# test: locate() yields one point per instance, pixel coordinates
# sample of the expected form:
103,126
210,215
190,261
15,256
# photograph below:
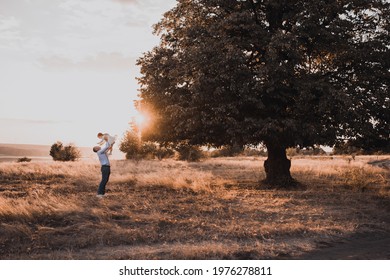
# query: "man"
105,169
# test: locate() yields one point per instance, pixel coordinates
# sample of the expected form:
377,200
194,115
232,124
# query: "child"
107,138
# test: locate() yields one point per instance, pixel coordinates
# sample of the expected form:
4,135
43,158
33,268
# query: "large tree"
283,73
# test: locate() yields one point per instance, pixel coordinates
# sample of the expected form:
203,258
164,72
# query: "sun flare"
141,119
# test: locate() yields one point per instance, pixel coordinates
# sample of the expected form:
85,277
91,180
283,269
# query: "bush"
131,145
135,148
227,151
189,152
59,152
153,150
164,152
24,159
292,152
254,151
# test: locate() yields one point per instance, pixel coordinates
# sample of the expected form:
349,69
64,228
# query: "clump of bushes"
59,152
135,148
227,151
188,152
24,159
238,150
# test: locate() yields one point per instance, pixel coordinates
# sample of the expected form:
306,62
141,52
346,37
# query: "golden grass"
216,209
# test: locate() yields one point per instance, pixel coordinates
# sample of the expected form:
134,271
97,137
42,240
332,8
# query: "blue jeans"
105,176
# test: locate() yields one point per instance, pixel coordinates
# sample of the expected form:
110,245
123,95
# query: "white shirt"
103,158
110,139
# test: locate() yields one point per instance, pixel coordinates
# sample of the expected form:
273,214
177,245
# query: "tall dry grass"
216,209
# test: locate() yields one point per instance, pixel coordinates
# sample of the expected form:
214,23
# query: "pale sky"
68,69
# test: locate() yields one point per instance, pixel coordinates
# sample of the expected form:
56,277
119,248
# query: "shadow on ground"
367,246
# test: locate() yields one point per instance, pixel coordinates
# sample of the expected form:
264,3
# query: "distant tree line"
135,148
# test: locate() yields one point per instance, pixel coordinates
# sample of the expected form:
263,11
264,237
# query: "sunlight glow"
142,119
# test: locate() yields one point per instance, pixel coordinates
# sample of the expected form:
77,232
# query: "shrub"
257,151
164,152
189,152
227,151
135,148
59,152
153,150
131,145
291,152
24,159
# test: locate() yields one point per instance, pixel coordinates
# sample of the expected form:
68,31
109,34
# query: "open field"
215,209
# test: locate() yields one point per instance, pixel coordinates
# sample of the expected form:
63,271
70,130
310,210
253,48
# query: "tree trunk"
277,166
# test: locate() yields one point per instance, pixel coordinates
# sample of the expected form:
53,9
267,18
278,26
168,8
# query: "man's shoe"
100,195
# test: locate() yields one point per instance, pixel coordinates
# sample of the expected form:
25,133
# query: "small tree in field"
278,72
59,152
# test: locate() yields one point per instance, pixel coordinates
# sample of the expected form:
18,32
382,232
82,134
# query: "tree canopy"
284,73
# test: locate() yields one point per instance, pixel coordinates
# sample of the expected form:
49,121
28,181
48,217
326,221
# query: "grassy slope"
214,209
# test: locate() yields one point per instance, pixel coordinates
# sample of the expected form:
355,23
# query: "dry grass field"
215,209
